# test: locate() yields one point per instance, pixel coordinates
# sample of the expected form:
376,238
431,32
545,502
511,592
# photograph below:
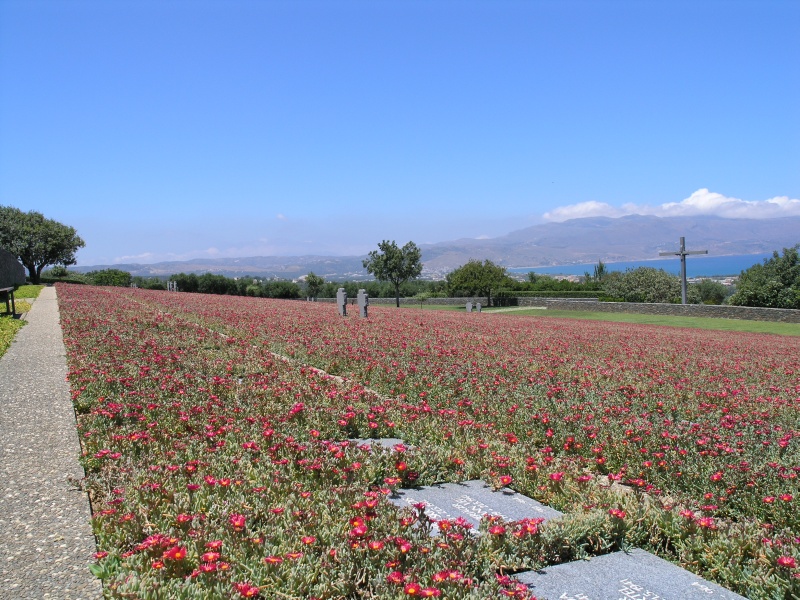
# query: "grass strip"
8,329
669,321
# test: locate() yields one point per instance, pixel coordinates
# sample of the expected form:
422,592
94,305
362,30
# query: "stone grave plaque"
389,443
620,576
478,307
472,500
469,307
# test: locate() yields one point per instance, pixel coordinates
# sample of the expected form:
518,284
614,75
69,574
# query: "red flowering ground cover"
217,469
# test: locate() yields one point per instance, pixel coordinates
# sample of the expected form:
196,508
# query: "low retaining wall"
746,313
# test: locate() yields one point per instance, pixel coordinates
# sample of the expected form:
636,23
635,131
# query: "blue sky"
188,129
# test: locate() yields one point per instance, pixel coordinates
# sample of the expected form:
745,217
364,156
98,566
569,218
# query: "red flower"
237,521
175,553
412,589
395,577
248,590
787,562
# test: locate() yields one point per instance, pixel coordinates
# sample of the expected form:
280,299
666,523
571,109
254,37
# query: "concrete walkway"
46,540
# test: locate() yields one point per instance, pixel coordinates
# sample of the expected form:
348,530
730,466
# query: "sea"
696,266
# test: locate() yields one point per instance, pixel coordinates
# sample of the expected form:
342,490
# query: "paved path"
46,540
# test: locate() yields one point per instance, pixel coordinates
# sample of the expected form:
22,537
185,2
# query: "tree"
314,285
707,291
113,277
773,284
644,284
477,278
395,265
36,241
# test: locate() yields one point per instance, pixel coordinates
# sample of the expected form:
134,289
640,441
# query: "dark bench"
7,294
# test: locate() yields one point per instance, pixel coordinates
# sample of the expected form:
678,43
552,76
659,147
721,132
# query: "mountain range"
576,241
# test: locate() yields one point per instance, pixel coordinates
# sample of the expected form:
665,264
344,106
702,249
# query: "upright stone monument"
341,302
469,307
478,307
363,303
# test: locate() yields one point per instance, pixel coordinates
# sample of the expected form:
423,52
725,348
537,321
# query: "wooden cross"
683,254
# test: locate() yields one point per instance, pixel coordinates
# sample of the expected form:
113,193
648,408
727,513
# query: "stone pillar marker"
341,302
469,307
683,254
478,307
363,303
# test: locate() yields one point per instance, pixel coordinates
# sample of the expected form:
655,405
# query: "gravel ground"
47,540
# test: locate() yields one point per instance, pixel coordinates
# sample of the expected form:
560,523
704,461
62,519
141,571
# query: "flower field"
218,462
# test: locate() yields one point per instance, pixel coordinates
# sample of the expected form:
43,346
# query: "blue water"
696,266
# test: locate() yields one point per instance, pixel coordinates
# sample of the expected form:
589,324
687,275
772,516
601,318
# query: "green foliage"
477,278
774,284
113,277
643,284
149,283
8,329
27,291
58,272
395,265
36,241
706,291
547,294
314,284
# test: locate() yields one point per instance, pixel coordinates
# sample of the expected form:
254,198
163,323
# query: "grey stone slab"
389,443
472,500
638,575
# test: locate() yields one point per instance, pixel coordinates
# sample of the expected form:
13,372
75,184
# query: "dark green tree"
314,284
395,265
773,284
644,284
36,241
707,291
113,277
477,278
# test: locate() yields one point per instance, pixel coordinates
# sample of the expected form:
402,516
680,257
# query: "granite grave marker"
341,302
638,575
472,500
363,303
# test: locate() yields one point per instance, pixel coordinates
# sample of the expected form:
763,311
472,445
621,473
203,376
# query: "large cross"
683,254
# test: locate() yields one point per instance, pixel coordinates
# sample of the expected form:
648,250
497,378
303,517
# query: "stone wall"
746,313
11,270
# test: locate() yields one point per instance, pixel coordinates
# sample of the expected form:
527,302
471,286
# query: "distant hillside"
634,237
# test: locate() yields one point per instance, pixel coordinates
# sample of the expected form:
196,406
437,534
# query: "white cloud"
135,258
281,217
701,202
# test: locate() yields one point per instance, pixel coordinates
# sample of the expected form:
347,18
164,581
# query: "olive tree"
314,285
477,278
644,284
395,265
36,241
